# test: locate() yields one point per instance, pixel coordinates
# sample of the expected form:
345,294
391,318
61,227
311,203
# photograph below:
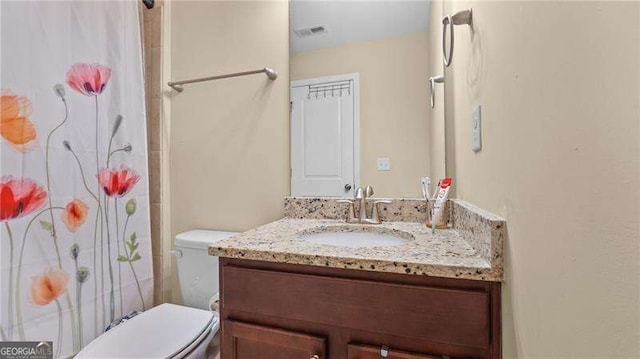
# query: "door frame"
355,77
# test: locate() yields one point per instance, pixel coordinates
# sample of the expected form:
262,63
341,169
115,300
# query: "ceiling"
354,21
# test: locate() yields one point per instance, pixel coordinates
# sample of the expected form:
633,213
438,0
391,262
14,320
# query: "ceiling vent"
309,31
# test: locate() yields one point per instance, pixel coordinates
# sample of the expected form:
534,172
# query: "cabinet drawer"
359,351
450,316
249,341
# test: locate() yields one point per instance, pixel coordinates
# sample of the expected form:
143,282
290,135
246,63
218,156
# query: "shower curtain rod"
177,85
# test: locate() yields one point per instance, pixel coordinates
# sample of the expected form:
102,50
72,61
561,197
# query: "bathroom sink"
355,236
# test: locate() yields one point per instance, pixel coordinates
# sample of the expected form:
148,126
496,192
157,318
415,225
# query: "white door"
324,136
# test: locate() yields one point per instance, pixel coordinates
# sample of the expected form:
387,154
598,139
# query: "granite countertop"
443,254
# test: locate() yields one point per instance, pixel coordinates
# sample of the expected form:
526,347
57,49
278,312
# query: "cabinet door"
358,351
249,341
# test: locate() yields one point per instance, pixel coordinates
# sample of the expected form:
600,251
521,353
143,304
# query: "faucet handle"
368,191
351,214
375,216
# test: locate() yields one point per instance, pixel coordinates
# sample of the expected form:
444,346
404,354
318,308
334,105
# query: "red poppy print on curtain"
19,197
117,183
88,79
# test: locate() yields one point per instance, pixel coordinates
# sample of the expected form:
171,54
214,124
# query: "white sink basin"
355,236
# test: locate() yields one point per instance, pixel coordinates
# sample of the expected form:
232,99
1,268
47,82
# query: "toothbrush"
424,184
435,193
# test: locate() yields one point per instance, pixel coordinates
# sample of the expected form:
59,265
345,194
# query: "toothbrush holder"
442,219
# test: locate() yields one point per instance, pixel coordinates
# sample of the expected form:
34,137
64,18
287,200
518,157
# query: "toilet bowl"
170,330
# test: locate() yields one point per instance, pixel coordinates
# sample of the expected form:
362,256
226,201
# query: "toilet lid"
160,332
201,238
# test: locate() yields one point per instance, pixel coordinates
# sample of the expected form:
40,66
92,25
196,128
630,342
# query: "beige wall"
229,139
394,116
559,88
436,114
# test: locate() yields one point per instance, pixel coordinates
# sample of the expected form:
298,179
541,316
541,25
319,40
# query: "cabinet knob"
315,357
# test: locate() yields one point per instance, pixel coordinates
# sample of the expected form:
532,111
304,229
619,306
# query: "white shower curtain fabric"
75,249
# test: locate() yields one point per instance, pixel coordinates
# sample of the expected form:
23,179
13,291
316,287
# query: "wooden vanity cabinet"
273,311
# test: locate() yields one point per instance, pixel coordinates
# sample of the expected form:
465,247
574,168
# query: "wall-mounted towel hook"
464,17
432,81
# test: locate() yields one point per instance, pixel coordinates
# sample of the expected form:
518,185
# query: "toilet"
170,330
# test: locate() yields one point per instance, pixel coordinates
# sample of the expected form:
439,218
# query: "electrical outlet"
476,129
384,164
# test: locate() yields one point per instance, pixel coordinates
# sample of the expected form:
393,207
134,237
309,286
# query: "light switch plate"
476,129
384,164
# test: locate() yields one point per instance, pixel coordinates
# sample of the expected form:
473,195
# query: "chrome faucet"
361,195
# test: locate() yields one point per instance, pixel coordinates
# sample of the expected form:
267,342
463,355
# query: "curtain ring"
447,59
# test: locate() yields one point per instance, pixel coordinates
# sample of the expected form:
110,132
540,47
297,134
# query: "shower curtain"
75,251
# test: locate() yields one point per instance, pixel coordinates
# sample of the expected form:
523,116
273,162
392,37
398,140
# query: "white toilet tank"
197,270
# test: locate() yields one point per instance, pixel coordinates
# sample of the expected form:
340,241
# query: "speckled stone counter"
472,249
